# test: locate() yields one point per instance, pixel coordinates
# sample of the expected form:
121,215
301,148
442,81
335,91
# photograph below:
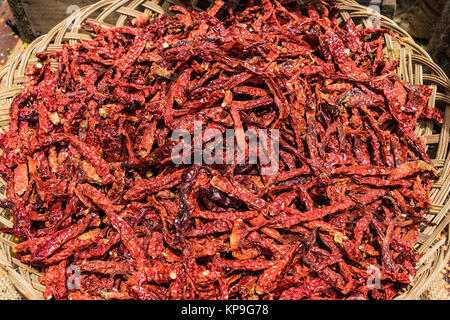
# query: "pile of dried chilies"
92,187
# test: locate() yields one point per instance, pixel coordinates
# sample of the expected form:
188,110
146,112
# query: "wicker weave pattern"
7,290
415,66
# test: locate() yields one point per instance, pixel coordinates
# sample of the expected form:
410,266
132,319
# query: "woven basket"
416,67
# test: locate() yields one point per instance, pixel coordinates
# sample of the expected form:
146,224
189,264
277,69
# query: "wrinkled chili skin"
222,199
93,185
186,207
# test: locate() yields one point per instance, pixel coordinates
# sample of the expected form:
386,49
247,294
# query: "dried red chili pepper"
92,184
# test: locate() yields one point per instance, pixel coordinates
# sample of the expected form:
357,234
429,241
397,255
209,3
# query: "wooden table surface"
8,40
